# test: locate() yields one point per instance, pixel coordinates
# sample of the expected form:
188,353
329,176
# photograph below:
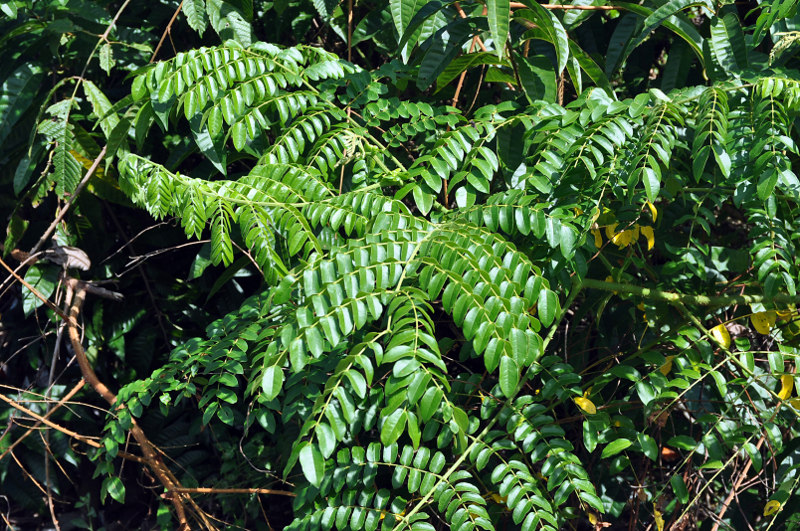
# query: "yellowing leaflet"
586,405
664,369
650,235
787,384
763,321
772,507
653,211
721,335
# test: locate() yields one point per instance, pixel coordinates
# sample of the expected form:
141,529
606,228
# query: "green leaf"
591,68
548,306
106,57
229,21
538,78
403,12
16,95
615,447
272,381
195,11
465,62
499,12
657,17
766,183
393,427
652,183
679,488
509,376
113,485
547,28
43,278
312,463
727,42
649,446
665,16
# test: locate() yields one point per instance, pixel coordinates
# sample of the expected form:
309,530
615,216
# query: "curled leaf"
586,405
785,315
664,369
659,518
772,507
763,321
721,335
653,212
598,239
623,239
787,384
648,233
795,403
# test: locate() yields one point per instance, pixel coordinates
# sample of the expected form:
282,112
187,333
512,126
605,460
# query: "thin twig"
52,410
212,490
166,31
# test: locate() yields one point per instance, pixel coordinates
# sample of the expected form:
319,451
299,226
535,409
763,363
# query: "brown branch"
211,490
43,420
60,403
151,457
35,291
736,486
168,30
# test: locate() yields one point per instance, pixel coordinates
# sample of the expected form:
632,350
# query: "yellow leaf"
785,315
772,507
653,212
500,500
763,321
721,335
598,239
664,369
787,384
592,518
623,238
586,405
794,402
650,235
658,518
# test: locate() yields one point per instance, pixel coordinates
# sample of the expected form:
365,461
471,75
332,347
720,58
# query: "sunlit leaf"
721,335
763,321
585,404
787,385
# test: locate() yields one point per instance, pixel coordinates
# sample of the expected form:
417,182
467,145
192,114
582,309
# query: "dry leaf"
664,369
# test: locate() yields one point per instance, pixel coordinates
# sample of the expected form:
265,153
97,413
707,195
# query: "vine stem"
676,297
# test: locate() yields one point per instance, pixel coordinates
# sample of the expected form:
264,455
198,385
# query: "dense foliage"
416,265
